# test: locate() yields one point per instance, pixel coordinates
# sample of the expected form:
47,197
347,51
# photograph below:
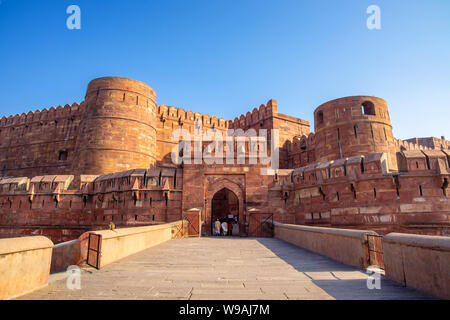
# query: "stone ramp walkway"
224,269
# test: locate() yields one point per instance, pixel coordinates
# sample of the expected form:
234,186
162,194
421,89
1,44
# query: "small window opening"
368,108
397,186
352,187
444,187
320,117
322,194
175,180
63,154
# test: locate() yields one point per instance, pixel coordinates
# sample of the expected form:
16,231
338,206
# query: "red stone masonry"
70,169
118,128
40,142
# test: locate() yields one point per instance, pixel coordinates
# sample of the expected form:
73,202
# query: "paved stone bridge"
224,268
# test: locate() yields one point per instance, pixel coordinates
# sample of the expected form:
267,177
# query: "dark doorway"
225,206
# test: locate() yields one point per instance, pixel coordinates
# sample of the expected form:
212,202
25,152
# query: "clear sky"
225,57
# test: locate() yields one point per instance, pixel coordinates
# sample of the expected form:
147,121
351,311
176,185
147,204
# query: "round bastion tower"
353,126
118,130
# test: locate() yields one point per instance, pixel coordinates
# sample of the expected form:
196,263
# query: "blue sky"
226,57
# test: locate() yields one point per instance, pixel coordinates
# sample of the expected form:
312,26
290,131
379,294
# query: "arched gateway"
224,199
224,206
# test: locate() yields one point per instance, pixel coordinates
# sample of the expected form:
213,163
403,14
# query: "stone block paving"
224,269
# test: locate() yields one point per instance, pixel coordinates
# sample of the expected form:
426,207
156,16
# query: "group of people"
226,227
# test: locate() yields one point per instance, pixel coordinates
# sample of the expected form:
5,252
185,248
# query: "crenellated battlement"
257,116
69,169
45,114
430,162
166,112
408,145
136,179
360,192
67,209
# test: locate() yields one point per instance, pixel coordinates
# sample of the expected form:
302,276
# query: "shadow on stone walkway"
223,269
340,281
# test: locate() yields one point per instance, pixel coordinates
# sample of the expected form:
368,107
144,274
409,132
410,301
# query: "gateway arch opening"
225,209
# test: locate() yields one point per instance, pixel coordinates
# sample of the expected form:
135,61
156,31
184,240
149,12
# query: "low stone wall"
419,262
64,255
24,265
120,243
346,246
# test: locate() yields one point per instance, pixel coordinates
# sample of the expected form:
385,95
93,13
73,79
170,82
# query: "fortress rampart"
359,192
55,207
40,142
352,126
70,169
118,130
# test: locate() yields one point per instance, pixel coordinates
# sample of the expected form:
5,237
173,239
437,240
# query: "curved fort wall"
353,126
118,130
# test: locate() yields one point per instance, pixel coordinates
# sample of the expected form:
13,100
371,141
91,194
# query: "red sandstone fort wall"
40,142
170,119
78,167
53,206
267,117
118,130
353,126
358,192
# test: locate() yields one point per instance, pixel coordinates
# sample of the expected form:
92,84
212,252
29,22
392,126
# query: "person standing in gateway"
236,228
225,227
217,227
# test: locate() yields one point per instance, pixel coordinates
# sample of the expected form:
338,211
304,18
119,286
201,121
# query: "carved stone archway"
216,185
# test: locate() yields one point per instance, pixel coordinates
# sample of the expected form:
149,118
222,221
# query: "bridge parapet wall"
24,265
346,246
420,262
120,243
